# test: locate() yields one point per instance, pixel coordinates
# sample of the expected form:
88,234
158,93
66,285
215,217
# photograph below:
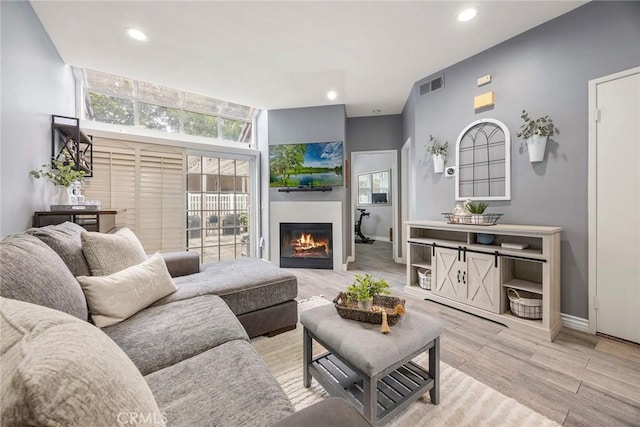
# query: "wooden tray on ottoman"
350,310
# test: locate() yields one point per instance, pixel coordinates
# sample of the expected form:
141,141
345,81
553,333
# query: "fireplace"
306,245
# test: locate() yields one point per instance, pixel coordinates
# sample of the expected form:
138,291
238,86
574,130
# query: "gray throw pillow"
65,240
58,370
109,253
31,271
120,295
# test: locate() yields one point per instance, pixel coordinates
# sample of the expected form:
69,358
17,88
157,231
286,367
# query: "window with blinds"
147,182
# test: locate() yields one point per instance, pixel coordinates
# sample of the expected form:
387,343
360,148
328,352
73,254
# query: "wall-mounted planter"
438,163
536,145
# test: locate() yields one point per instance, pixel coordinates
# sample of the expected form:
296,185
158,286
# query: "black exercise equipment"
361,238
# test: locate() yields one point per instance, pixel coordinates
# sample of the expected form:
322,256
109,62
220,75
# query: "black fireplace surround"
306,245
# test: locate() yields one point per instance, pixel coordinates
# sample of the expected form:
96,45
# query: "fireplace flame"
306,244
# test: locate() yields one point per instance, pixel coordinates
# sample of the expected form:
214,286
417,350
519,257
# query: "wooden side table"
103,220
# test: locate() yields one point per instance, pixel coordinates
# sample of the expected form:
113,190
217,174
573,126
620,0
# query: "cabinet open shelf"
475,277
524,285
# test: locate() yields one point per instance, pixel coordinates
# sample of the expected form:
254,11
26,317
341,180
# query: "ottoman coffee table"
373,371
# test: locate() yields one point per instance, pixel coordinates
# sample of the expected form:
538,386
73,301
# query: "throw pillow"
109,253
31,271
120,295
65,240
58,370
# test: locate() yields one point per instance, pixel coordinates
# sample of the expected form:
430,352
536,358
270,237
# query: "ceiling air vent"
432,85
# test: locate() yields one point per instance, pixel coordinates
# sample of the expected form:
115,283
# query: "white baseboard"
382,239
573,322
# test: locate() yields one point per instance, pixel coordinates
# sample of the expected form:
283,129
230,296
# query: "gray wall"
35,84
378,133
380,219
546,71
313,124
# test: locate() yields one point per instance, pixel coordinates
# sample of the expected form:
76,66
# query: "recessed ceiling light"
376,111
137,34
467,14
332,94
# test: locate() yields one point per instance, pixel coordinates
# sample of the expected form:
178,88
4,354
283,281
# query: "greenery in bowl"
476,208
59,172
542,126
366,287
436,147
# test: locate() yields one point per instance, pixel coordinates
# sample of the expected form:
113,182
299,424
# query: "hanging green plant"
542,126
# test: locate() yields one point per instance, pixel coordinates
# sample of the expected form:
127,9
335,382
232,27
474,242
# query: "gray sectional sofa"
184,360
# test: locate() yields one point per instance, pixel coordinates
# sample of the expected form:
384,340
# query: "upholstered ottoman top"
363,344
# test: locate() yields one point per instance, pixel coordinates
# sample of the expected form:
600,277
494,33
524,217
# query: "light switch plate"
450,171
484,80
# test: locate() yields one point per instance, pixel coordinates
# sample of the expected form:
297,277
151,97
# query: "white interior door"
616,165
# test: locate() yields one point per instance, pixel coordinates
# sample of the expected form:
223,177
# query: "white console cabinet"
476,277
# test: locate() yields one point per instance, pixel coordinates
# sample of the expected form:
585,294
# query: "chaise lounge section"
185,360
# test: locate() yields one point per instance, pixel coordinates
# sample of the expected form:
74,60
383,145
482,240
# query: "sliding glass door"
219,207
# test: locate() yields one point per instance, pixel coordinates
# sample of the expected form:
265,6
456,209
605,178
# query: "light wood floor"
577,380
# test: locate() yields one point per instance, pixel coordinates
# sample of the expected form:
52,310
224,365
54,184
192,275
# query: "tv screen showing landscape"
315,164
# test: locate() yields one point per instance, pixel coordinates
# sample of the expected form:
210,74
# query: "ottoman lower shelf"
393,391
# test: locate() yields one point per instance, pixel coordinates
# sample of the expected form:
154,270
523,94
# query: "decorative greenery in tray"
366,287
476,208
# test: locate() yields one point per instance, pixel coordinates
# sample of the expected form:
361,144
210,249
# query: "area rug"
464,401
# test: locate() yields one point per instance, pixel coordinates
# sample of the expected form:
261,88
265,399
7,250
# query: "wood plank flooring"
577,380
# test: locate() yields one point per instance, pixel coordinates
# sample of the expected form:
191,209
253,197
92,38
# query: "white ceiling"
275,55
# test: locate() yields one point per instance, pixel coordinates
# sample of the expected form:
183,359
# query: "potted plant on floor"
438,151
365,288
536,133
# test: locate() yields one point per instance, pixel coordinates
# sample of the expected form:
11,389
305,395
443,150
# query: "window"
147,183
373,188
122,101
218,206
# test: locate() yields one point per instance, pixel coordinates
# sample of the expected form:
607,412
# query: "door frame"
406,188
592,196
394,200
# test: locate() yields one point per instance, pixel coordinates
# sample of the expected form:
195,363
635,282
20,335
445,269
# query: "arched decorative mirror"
483,161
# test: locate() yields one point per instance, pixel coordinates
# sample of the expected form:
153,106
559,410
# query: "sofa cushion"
120,295
58,370
31,271
109,253
64,239
163,335
241,392
245,284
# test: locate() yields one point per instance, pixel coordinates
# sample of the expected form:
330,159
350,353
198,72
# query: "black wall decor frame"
69,142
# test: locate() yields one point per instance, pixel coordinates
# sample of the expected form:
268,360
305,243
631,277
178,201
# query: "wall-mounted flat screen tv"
314,164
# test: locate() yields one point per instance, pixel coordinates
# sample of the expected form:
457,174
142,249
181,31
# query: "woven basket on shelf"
527,308
349,310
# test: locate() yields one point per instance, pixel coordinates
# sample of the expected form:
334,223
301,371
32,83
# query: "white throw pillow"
109,253
120,295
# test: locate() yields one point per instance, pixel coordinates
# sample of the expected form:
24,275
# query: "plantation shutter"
113,182
149,182
162,195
